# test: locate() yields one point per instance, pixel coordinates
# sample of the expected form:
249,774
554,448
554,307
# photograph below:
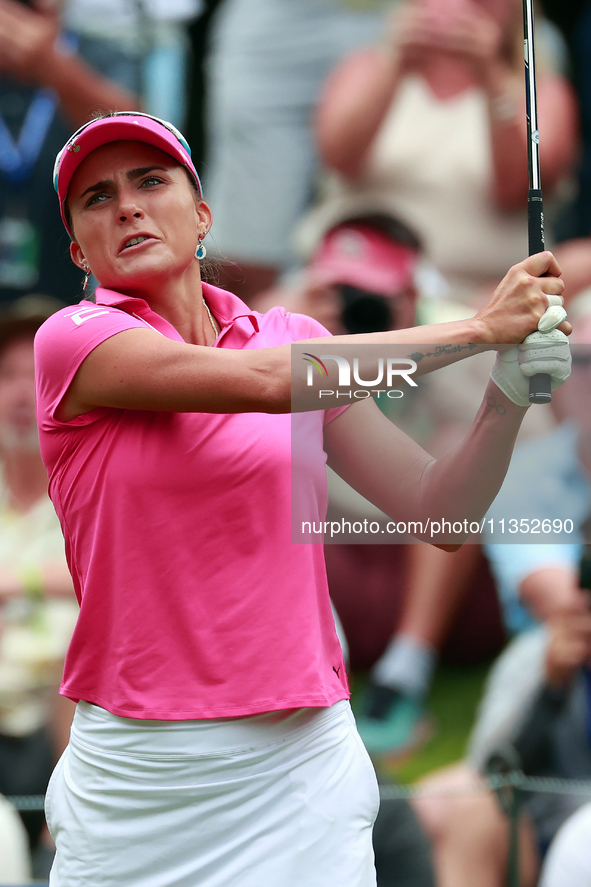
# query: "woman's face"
128,190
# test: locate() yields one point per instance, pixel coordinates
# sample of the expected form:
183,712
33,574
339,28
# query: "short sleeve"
301,326
62,343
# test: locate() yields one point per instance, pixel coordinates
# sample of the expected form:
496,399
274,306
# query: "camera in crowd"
370,261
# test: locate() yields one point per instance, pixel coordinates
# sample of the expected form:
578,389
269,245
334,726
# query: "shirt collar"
228,308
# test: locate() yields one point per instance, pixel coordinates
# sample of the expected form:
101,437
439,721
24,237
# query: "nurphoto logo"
388,372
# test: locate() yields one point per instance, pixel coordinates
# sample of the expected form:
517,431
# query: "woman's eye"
152,180
96,198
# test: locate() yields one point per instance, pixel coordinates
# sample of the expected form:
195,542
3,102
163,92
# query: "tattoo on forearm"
492,404
442,349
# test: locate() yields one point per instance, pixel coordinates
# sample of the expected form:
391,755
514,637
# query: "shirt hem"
198,714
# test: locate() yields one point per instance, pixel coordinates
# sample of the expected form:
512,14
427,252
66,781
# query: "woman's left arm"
396,474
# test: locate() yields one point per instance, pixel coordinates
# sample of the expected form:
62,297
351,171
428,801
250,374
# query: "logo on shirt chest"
82,314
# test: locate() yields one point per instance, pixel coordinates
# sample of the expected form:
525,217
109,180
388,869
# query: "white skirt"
282,799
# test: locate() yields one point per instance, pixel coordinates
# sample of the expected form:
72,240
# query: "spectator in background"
267,63
38,608
46,91
429,124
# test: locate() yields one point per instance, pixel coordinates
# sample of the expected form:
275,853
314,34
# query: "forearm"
438,344
508,136
82,91
353,107
461,485
398,476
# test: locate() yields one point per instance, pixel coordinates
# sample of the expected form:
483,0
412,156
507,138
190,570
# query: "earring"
200,252
86,270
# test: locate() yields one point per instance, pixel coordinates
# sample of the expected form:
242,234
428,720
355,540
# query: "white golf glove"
546,351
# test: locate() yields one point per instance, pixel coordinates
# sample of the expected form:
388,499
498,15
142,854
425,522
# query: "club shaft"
539,385
531,102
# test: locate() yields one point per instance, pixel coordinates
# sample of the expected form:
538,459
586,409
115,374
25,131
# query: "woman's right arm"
141,369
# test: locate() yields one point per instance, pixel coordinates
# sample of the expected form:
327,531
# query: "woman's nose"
129,212
129,208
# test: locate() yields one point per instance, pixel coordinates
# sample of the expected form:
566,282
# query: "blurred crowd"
366,164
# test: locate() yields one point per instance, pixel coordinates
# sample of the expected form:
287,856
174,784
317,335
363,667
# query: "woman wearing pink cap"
213,742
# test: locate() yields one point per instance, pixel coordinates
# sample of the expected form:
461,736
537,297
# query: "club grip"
539,385
535,222
539,388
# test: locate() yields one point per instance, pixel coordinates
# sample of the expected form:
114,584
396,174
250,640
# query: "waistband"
96,727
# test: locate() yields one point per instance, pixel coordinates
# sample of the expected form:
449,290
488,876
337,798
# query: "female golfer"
213,742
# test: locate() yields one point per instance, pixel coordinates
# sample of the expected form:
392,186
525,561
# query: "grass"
455,694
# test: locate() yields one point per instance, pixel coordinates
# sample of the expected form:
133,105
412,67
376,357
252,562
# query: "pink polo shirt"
193,601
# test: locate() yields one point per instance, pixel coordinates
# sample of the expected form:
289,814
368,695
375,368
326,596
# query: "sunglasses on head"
72,140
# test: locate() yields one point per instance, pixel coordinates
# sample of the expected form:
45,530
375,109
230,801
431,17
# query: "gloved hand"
546,351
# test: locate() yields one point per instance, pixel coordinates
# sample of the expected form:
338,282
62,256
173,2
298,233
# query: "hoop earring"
200,252
86,278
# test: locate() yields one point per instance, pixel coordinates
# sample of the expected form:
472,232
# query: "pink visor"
125,125
359,256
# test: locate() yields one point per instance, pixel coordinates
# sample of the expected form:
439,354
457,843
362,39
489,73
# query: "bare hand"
461,28
27,39
570,646
520,300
